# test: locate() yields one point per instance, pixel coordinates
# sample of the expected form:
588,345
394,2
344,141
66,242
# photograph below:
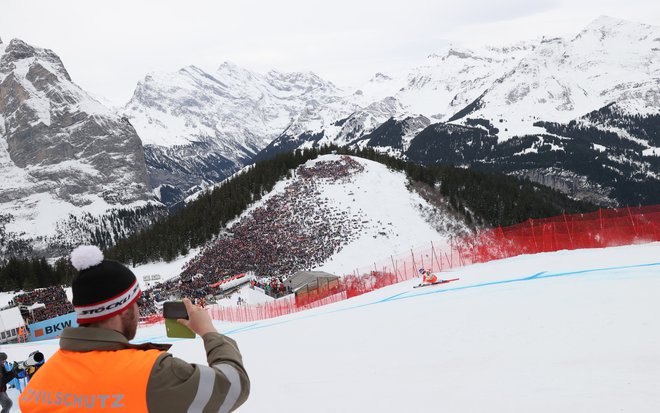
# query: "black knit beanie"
102,288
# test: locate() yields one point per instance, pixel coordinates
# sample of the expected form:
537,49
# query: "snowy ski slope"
571,331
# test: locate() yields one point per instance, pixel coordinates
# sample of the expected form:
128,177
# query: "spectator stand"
274,287
227,285
43,304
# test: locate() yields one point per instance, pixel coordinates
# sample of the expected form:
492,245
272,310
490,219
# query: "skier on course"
427,276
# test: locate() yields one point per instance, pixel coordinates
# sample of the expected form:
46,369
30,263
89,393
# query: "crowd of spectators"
294,230
147,302
194,287
53,298
273,286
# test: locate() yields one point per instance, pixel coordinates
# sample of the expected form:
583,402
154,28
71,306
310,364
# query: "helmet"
422,270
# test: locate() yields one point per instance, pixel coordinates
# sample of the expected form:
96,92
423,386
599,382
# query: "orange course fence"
603,228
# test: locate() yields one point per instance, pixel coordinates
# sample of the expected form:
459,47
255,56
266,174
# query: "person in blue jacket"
9,372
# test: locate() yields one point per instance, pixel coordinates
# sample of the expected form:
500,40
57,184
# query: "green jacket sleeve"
178,386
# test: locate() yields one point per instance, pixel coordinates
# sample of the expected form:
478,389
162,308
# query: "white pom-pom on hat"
86,256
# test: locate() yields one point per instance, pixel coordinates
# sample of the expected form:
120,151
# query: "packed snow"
567,331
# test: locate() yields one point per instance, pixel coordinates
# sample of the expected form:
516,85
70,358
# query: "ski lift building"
310,286
11,321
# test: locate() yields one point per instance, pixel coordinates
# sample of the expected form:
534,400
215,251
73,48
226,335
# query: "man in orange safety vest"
96,369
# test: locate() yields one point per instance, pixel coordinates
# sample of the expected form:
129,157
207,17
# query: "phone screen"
174,329
174,310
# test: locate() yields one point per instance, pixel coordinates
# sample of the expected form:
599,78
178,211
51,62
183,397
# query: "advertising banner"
51,328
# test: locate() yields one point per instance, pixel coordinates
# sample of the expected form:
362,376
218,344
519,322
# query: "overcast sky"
108,46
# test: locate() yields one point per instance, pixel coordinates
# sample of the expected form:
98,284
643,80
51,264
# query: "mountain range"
495,108
579,114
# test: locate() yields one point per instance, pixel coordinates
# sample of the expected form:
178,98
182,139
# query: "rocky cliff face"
61,151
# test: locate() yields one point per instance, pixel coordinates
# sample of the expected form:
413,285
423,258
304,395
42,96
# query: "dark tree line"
602,155
645,127
620,166
28,274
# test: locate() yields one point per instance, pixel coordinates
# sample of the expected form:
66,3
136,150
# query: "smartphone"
173,310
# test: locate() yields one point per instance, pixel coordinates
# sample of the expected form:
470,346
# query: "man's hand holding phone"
198,320
183,319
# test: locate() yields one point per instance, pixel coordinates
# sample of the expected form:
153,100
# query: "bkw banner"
51,328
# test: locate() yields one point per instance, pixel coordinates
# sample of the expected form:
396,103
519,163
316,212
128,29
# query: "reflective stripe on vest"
95,381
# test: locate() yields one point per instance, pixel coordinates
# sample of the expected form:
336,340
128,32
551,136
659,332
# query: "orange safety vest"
94,381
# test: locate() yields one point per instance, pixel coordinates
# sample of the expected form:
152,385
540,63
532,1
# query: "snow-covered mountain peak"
300,82
228,66
192,70
231,72
462,54
380,77
241,108
524,46
61,151
214,123
388,106
488,53
613,26
18,55
611,60
448,51
612,36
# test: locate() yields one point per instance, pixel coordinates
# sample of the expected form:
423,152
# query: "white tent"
10,320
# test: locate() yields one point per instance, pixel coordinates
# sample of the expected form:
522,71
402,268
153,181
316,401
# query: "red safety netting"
603,228
152,319
283,306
